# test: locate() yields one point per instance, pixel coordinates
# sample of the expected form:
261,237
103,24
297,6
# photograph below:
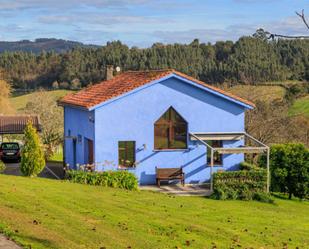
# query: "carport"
16,124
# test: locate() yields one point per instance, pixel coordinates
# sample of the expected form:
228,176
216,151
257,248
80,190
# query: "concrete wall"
133,117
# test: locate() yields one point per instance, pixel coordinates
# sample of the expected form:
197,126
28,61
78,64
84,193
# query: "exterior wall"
132,118
77,124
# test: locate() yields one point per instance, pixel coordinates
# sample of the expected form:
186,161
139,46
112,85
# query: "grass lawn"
20,102
254,93
53,214
58,156
300,106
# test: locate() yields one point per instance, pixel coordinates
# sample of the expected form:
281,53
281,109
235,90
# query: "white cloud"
288,26
67,4
95,18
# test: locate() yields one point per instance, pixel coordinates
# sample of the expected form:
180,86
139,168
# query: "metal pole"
211,169
268,175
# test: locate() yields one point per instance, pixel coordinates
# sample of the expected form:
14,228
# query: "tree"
75,84
5,104
273,35
51,117
289,165
32,156
55,85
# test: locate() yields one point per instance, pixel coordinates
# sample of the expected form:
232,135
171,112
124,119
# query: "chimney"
109,72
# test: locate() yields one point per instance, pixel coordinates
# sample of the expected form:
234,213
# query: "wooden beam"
268,175
222,136
240,150
211,169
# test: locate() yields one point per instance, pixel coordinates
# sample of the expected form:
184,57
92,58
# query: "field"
254,93
45,213
20,102
301,106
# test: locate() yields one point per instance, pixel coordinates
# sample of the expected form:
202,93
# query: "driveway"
53,170
7,244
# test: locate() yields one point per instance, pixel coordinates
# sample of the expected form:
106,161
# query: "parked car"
10,152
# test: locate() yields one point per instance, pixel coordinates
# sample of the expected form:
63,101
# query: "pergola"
203,137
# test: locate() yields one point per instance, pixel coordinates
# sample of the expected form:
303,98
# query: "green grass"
58,156
262,93
54,214
300,106
20,102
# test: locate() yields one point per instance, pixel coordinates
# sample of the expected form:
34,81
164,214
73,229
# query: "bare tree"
51,117
269,35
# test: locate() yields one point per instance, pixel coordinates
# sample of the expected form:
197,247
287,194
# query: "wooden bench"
169,174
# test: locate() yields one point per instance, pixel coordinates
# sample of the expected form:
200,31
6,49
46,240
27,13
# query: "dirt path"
7,244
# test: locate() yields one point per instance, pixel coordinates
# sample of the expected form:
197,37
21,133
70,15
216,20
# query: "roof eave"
64,104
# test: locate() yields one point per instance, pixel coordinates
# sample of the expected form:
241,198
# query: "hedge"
243,185
115,179
289,167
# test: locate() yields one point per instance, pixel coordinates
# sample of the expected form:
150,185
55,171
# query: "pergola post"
268,176
211,169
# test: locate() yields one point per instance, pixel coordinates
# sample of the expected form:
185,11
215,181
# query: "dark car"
10,152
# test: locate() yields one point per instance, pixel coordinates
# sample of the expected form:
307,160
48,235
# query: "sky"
144,22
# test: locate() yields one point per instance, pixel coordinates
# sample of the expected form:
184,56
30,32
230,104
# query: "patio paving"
179,190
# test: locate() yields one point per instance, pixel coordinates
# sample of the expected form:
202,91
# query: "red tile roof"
126,82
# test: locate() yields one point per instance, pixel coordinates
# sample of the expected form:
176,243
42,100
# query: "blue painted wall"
132,118
77,123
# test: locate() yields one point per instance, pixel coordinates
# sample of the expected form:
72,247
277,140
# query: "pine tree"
32,157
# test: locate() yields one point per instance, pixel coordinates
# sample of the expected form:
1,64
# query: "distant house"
140,120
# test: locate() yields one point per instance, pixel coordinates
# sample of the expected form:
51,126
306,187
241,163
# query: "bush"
115,179
263,197
289,166
2,166
248,166
32,155
241,185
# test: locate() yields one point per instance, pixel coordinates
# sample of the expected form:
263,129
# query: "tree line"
249,60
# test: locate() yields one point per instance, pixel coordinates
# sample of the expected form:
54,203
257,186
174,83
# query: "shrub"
242,185
289,166
263,197
248,166
115,179
2,166
32,156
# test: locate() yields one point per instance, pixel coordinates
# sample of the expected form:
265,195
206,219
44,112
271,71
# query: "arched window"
170,131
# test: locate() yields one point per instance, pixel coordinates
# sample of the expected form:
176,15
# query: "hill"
41,213
256,92
20,102
41,44
300,106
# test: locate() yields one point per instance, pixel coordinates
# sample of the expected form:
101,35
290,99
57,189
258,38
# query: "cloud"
205,35
99,19
288,26
67,4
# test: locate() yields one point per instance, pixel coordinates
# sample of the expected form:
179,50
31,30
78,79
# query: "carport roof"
16,124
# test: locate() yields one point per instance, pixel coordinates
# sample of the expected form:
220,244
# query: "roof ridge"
128,80
149,71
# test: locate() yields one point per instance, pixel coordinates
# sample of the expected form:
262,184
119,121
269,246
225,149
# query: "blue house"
140,120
